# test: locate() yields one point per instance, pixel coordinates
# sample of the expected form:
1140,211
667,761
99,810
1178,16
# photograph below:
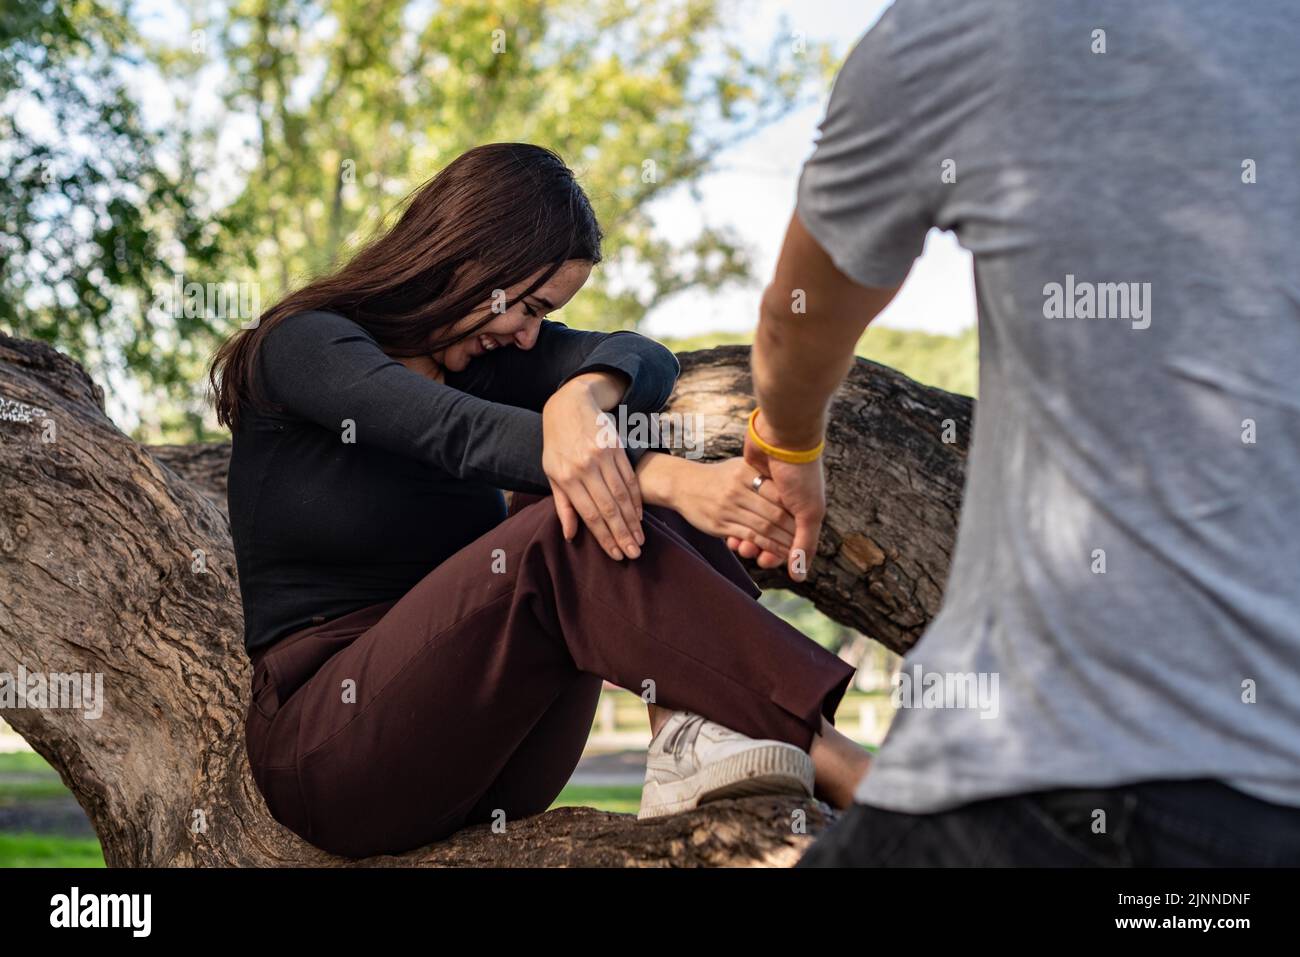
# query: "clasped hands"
594,484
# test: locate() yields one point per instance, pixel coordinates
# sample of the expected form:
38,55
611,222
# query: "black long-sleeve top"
371,474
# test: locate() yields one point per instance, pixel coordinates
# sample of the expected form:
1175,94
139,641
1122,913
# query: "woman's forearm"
659,475
718,498
606,389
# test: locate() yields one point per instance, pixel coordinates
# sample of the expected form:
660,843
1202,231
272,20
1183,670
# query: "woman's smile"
518,325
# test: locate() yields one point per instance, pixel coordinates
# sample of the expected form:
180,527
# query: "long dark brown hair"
490,219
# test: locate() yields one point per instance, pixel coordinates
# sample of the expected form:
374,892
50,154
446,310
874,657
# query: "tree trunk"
116,560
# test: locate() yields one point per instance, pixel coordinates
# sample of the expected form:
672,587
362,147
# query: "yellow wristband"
780,454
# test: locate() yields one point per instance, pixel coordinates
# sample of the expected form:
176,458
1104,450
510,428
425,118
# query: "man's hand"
810,318
802,491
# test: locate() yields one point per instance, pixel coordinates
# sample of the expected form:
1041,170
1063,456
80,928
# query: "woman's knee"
713,550
659,521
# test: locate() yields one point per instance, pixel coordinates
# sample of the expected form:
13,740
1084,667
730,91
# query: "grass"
625,800
49,850
13,762
26,777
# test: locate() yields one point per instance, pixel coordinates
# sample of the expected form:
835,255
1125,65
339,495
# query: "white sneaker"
693,760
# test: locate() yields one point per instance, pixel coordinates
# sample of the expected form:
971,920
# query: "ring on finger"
757,482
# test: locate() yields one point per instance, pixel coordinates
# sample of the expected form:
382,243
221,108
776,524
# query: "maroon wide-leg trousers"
474,693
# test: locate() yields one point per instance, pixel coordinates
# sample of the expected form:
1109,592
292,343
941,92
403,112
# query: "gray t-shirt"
1124,598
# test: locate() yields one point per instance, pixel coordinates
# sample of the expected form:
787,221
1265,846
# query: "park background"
251,143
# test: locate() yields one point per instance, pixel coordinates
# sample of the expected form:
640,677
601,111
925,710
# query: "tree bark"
116,560
894,488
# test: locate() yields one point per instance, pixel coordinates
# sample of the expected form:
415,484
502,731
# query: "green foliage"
358,102
332,112
639,98
945,362
349,105
89,216
802,615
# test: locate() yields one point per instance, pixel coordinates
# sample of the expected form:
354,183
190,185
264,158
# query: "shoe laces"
684,734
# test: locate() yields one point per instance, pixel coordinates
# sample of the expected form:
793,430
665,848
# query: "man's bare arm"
800,358
811,318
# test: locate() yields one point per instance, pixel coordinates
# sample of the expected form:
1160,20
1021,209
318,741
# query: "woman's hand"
719,498
590,475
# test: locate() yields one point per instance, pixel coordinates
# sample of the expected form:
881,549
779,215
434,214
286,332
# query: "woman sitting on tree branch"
424,659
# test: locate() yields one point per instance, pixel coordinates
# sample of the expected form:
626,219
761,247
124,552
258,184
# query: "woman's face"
517,326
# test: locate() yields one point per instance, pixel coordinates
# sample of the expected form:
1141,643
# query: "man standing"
1127,178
